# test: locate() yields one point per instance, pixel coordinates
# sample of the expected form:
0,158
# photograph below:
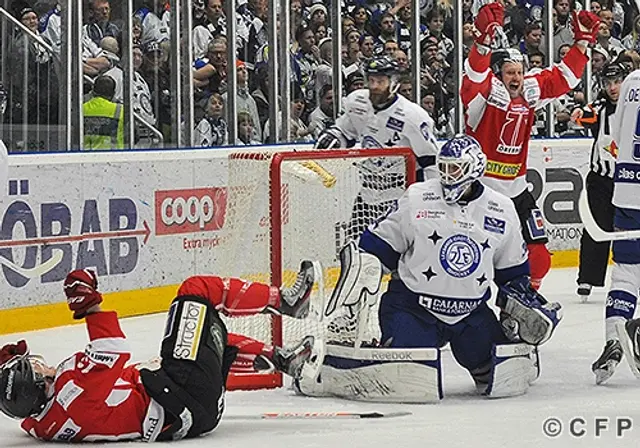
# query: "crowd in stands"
369,27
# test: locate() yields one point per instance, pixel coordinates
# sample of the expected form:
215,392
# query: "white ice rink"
565,390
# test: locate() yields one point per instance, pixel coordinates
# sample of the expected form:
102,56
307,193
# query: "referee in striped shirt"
597,118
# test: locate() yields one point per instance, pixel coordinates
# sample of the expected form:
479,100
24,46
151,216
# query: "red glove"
489,18
80,287
10,351
585,26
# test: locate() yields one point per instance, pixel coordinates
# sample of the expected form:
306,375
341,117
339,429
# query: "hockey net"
285,207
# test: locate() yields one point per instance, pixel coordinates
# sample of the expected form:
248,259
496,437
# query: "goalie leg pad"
512,371
360,274
376,375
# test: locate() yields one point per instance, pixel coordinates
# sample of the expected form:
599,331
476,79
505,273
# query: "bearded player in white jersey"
622,331
378,117
445,242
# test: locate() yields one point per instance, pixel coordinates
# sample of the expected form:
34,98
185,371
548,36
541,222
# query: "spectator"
100,24
361,17
154,29
405,87
388,31
532,38
212,129
631,40
246,130
324,72
319,32
562,31
536,60
244,101
435,25
355,81
317,15
390,48
366,46
305,62
211,72
404,23
95,61
261,94
322,116
299,131
33,83
612,45
103,119
562,51
402,60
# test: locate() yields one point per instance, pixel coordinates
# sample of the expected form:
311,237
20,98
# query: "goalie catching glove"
526,313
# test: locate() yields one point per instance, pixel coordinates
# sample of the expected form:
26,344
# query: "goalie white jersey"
450,254
625,131
401,124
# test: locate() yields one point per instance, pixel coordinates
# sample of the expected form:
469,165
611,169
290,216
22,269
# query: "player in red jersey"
96,396
500,103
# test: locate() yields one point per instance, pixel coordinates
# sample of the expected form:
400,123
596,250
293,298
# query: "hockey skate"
295,301
629,334
286,360
584,291
605,365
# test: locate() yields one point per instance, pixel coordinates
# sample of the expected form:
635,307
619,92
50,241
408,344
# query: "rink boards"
112,212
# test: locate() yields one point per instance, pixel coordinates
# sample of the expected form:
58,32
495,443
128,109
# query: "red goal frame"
252,381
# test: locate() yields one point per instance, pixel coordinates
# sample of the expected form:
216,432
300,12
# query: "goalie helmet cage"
285,207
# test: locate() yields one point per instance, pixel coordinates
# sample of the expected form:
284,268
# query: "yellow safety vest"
103,124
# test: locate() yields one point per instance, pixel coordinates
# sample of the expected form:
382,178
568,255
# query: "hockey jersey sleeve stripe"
568,74
503,276
477,66
574,62
426,161
375,245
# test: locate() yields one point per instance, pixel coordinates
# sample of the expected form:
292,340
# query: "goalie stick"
316,415
595,231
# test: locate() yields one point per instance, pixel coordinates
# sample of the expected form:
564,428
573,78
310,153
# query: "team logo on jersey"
426,133
535,223
370,142
460,256
495,225
395,124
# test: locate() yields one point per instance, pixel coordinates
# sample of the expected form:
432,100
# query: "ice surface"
565,390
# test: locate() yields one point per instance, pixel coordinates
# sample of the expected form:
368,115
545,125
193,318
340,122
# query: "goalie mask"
23,386
375,70
460,163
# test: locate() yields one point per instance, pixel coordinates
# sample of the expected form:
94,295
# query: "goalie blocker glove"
526,310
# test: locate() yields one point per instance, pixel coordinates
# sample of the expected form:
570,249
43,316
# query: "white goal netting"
307,208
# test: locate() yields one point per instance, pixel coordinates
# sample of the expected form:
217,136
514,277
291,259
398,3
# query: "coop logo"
190,211
46,240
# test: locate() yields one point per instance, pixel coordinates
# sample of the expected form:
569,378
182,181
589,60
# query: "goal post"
287,206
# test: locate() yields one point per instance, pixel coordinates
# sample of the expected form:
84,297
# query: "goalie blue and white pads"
526,312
